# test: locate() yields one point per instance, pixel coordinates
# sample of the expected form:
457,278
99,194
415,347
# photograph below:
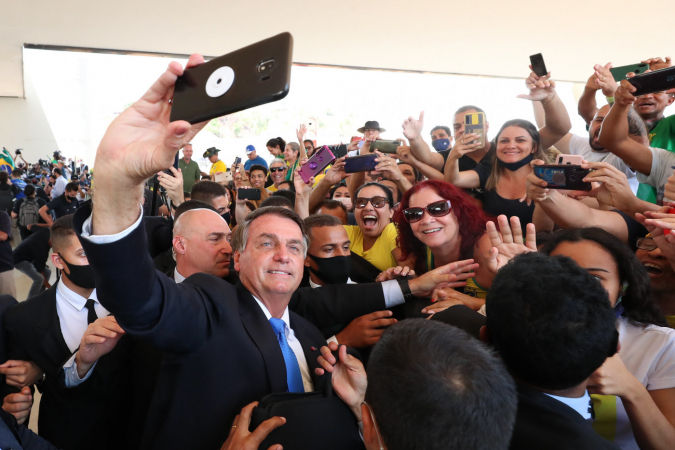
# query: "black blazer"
6,301
543,422
88,416
220,352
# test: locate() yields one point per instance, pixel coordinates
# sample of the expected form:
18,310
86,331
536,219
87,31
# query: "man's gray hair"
240,235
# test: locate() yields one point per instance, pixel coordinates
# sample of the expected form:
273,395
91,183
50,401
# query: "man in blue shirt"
253,158
16,179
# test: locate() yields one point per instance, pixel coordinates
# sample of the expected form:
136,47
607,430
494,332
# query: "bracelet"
552,97
610,100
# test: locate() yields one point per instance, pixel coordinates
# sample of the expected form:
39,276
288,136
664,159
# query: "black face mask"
226,216
81,276
334,270
515,165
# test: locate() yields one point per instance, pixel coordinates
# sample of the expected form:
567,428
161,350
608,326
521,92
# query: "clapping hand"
349,376
510,243
541,88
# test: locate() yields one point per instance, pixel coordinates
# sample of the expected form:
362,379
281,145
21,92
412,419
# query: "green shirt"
662,136
191,173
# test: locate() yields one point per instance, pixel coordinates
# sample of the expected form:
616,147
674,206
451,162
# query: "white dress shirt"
580,405
59,187
178,278
70,307
295,345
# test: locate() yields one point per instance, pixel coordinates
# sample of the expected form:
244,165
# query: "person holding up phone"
217,166
518,143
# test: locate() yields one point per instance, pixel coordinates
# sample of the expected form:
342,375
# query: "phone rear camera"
573,178
266,66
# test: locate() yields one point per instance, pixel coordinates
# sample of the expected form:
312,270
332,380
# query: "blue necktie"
293,375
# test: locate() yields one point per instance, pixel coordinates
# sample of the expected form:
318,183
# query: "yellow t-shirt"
218,166
379,254
671,321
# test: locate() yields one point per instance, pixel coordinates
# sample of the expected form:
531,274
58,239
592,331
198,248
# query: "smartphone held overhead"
538,66
653,82
316,164
248,194
248,77
362,163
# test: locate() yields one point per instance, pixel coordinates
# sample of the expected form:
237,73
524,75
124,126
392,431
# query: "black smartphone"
385,146
248,194
248,77
538,65
175,165
563,176
656,81
236,162
362,163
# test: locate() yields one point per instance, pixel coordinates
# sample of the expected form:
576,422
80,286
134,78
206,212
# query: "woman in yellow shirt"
217,166
374,239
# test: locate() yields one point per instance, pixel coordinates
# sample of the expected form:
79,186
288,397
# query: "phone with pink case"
575,160
316,164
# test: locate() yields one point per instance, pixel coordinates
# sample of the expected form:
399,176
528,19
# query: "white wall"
23,124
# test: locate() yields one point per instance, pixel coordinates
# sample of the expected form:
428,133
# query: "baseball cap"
249,149
210,152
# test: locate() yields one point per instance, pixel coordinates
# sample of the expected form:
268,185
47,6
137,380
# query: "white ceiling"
490,37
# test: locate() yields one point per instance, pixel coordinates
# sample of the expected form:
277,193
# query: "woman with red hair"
439,224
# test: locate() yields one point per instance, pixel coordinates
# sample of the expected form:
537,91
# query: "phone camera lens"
266,65
573,178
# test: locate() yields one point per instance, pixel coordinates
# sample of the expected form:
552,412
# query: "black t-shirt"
6,258
34,249
19,202
468,163
635,229
40,193
495,205
62,206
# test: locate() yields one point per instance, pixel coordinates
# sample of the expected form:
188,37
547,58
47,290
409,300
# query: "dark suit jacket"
84,417
17,437
220,352
160,234
5,302
543,422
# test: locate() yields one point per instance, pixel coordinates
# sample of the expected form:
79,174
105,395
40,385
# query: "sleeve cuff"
107,239
70,370
332,339
393,295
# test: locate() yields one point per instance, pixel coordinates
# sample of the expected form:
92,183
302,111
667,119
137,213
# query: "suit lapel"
310,347
54,346
261,332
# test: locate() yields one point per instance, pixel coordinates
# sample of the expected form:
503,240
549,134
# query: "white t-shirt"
662,168
649,354
580,146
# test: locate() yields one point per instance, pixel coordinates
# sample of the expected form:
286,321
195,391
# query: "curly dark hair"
638,301
471,220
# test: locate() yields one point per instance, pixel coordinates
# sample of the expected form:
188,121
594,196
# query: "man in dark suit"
225,346
47,331
553,326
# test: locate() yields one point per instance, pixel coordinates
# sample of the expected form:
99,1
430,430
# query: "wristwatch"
405,288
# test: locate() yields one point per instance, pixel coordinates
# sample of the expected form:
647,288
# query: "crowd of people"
447,298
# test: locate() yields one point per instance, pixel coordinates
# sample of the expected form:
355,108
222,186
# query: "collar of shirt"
285,317
178,277
582,405
314,285
76,300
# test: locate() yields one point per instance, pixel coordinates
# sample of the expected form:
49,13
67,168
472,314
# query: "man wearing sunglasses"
277,174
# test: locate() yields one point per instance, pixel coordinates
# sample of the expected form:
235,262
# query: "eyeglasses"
647,244
435,209
277,169
377,202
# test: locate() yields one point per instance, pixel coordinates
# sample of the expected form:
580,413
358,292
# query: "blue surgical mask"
441,144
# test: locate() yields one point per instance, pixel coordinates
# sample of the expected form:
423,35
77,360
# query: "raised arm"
557,121
614,132
333,176
563,144
300,133
412,130
405,155
469,178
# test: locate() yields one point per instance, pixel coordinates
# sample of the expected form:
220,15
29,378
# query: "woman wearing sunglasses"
518,143
439,224
374,239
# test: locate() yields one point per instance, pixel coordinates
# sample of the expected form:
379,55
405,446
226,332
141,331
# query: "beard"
595,146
